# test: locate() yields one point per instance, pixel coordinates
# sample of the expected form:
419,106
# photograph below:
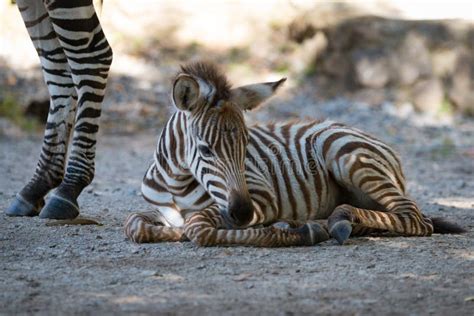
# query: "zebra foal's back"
283,153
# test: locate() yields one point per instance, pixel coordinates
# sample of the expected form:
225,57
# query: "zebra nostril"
236,221
241,216
234,217
240,208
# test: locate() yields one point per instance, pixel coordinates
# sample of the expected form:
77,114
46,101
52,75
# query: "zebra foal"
216,181
75,58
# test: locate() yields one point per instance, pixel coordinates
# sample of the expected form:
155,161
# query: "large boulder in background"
422,62
461,84
371,68
411,60
428,95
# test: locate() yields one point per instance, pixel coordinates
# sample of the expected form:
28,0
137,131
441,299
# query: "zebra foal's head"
216,135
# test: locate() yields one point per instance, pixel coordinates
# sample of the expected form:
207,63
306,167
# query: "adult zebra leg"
89,57
205,228
50,168
148,227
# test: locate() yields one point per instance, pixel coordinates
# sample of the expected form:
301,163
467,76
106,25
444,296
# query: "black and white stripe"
75,58
216,181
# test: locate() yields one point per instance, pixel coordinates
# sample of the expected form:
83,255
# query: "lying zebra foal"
216,181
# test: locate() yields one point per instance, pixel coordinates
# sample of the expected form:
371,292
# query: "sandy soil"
94,269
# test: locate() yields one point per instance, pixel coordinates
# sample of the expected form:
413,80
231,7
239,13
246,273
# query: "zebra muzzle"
240,209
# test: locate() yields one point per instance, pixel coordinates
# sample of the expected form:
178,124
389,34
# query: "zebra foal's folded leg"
401,215
205,228
50,168
407,221
147,227
371,169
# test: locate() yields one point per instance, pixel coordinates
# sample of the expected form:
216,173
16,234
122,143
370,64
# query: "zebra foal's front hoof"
315,233
341,230
282,225
58,207
21,207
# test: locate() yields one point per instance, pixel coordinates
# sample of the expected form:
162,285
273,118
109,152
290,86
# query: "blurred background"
405,58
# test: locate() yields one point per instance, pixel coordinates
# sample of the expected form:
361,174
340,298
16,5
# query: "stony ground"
95,270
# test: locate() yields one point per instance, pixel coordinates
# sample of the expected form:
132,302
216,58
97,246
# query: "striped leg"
50,168
406,222
164,224
205,228
148,227
89,57
358,231
376,179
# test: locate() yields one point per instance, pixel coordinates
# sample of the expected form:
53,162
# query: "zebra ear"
185,92
250,96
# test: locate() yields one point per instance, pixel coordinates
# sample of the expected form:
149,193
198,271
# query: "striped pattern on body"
217,182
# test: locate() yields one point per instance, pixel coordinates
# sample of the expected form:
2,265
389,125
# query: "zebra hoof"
59,208
341,231
21,207
281,225
317,233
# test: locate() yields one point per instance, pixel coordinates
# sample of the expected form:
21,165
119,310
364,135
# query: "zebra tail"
444,226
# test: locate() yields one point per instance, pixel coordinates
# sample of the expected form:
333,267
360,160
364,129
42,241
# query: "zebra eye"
205,151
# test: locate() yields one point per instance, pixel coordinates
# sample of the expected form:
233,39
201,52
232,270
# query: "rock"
402,57
242,277
405,73
299,30
461,91
428,95
38,108
444,61
9,129
336,65
371,68
308,52
369,96
36,104
411,61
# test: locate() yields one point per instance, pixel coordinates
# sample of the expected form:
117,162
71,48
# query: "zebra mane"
209,72
292,121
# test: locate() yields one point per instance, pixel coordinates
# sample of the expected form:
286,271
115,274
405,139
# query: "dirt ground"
95,270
